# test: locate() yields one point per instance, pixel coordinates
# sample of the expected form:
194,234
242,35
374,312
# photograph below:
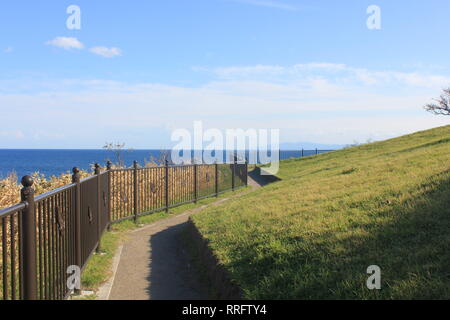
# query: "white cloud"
332,73
321,112
231,72
8,50
334,67
69,43
259,70
394,77
66,43
106,52
320,102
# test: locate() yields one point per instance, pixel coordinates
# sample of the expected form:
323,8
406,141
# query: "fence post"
217,178
233,173
317,151
167,184
108,168
136,191
195,182
28,240
303,152
99,232
76,177
246,172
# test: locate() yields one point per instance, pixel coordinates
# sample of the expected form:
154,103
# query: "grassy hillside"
314,234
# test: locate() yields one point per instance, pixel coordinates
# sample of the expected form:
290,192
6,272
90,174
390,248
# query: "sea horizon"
54,162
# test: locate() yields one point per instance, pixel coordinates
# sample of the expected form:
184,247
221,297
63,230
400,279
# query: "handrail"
13,209
87,179
48,194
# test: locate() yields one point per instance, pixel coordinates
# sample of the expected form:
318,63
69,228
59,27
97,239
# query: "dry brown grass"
10,187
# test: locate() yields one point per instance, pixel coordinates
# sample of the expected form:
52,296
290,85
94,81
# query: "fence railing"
307,153
43,237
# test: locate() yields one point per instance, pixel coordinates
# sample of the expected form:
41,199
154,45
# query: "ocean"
55,162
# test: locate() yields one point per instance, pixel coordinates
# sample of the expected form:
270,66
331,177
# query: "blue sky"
137,70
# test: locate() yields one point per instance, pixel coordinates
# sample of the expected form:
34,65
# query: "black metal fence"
41,237
289,154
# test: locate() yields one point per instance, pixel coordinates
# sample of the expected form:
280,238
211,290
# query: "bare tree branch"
118,149
441,105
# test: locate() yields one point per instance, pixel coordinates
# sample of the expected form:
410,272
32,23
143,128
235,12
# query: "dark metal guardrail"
41,237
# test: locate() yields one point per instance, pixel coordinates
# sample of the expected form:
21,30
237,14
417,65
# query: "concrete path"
155,265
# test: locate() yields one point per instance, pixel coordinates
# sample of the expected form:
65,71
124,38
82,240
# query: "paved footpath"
155,265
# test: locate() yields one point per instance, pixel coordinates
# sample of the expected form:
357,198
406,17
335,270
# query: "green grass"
313,234
98,269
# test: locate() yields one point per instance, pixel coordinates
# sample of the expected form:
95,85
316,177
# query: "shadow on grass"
262,180
425,145
412,250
